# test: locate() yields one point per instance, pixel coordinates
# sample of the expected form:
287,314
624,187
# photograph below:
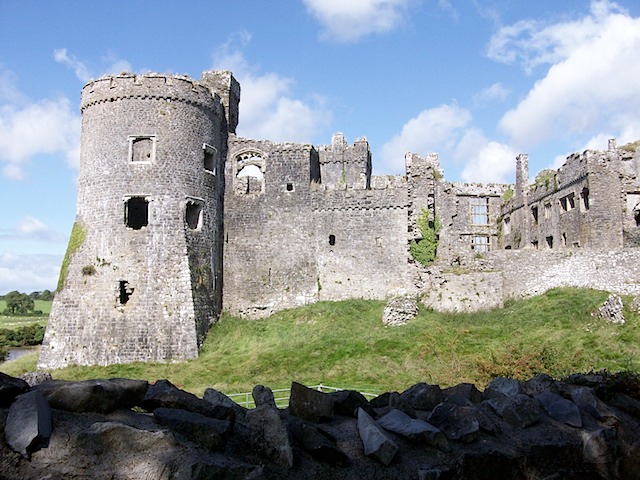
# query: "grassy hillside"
15,321
344,344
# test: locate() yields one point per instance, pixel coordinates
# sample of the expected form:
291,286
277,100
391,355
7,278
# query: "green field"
344,344
15,321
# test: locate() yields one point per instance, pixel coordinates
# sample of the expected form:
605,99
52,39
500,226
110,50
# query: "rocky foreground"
586,427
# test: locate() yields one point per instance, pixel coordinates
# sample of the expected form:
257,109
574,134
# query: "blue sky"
477,81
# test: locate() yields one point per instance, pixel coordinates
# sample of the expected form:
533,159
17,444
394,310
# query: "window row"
136,212
142,150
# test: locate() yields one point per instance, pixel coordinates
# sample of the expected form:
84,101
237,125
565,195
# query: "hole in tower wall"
332,240
209,158
142,148
289,187
125,292
136,212
194,215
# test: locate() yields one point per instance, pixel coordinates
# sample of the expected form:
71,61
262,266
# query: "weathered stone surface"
465,391
263,396
422,396
375,442
318,444
35,378
347,402
600,446
519,411
612,310
456,422
417,430
164,394
399,311
102,396
221,402
502,387
208,432
309,404
28,425
269,435
588,402
538,384
10,388
560,409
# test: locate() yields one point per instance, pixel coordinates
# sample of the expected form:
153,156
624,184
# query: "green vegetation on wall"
424,251
507,195
78,235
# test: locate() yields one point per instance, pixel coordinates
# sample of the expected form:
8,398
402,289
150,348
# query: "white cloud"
28,273
60,55
44,127
268,110
485,160
31,228
494,93
114,65
591,86
434,130
345,21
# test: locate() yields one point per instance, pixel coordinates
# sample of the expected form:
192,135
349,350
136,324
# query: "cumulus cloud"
494,93
268,110
433,130
31,228
485,160
27,273
590,87
113,65
347,21
61,55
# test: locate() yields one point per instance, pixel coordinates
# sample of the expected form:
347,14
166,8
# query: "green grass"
15,321
345,344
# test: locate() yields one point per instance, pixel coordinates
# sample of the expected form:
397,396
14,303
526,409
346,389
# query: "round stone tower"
141,278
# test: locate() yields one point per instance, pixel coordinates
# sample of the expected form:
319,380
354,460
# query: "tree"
19,302
424,250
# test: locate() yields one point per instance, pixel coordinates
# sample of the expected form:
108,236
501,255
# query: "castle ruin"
179,218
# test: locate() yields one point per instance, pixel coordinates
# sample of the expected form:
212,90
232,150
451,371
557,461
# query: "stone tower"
142,276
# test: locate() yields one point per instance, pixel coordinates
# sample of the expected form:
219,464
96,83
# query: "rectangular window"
142,148
210,155
479,209
534,214
479,243
136,212
506,225
568,202
547,210
584,200
549,242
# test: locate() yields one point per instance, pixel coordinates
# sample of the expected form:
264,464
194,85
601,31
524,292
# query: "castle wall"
344,164
141,286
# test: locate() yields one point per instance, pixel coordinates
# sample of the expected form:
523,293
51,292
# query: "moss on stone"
78,235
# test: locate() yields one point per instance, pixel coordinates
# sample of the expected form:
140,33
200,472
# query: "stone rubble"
584,427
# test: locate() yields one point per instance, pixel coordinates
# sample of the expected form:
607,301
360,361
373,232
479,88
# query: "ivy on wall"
424,250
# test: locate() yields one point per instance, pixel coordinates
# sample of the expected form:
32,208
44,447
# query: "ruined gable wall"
166,314
269,258
361,240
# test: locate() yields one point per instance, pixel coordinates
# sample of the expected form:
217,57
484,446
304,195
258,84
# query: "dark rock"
309,404
269,435
347,402
383,400
466,391
35,378
318,444
224,471
538,384
519,411
560,409
208,432
416,430
164,394
263,396
221,402
502,387
600,446
435,474
587,401
422,396
101,396
375,442
10,388
626,403
456,422
28,425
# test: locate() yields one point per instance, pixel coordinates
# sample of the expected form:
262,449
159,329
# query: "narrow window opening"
332,240
209,158
636,216
193,214
136,212
534,214
584,196
534,244
506,225
289,187
549,242
564,239
125,292
547,210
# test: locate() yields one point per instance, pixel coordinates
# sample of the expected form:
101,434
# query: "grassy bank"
344,344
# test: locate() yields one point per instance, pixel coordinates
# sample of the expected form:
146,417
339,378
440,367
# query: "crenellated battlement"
179,88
